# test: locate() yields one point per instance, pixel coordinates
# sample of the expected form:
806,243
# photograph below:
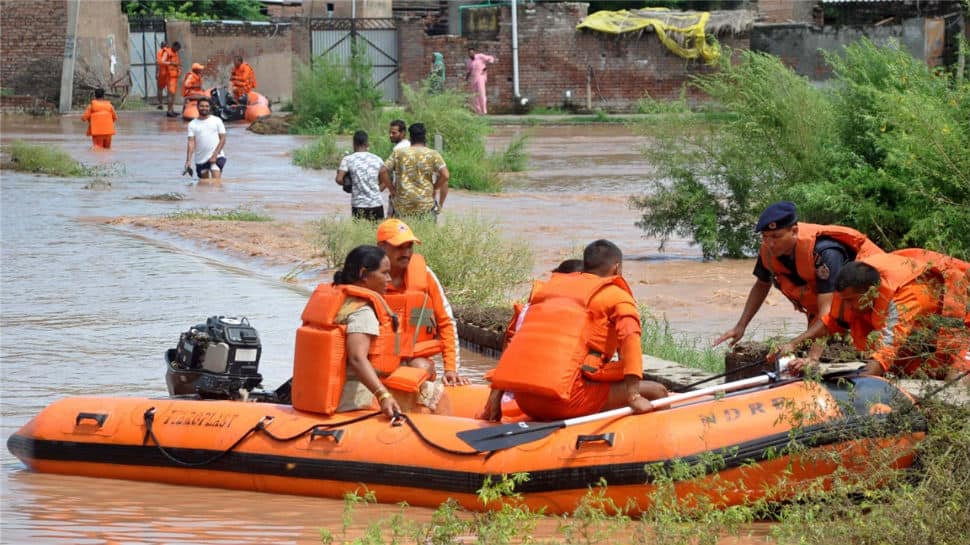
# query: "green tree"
245,10
881,149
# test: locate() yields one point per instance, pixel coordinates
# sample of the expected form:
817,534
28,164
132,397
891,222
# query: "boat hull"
273,448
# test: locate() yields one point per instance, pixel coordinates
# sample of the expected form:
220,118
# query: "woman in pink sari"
476,68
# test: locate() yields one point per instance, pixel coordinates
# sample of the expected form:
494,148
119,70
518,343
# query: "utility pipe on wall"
515,50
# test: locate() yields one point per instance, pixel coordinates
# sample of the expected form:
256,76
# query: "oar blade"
507,435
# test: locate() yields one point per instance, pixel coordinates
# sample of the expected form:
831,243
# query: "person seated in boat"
416,296
560,363
243,78
908,309
369,267
519,309
192,84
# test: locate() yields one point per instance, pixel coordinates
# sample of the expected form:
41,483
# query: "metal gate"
145,36
379,36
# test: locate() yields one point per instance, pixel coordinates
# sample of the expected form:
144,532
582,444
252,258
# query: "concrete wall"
32,34
555,57
268,47
102,48
800,46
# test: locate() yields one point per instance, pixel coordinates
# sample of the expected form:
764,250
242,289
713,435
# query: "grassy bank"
220,214
50,160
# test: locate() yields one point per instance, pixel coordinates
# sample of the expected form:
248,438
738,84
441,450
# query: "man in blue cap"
802,260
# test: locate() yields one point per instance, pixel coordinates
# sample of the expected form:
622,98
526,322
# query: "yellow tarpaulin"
682,33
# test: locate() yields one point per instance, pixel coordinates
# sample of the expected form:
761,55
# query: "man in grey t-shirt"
363,167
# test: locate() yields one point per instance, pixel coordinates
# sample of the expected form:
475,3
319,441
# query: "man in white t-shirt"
363,167
207,137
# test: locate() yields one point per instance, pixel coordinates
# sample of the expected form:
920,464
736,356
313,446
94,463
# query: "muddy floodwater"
88,307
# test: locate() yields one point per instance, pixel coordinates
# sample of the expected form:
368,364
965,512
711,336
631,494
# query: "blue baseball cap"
777,216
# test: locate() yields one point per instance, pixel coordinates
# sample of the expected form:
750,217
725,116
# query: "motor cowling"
217,359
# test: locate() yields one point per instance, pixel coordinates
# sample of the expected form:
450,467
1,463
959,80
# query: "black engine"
218,359
226,106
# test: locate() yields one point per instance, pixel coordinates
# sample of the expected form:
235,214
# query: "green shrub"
322,153
471,259
882,149
514,158
46,159
330,96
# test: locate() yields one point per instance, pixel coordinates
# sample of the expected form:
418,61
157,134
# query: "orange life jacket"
192,85
174,65
419,328
243,79
805,297
161,70
102,116
517,310
899,268
559,339
320,357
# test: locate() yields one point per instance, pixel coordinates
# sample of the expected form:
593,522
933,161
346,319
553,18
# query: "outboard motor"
218,360
225,106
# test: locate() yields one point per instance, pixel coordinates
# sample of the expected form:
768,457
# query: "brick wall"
32,34
555,57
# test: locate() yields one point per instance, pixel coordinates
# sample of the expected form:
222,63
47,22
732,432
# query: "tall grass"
329,96
468,254
51,160
658,341
321,153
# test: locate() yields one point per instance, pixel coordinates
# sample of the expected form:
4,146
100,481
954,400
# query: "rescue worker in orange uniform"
101,118
802,260
192,84
908,309
560,362
416,296
171,61
243,78
161,71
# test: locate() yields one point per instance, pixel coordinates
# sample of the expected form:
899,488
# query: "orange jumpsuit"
574,381
243,80
101,118
171,60
919,322
161,70
192,85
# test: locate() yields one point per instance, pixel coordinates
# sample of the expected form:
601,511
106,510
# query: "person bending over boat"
908,309
415,294
560,363
802,260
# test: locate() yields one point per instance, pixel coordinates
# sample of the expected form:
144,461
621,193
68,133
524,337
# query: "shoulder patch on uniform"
822,272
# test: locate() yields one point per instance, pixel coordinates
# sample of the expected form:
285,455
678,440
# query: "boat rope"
319,427
150,433
400,417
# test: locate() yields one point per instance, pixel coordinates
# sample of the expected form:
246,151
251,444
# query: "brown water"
88,309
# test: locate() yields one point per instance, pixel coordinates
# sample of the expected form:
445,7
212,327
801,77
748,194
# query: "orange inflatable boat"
425,459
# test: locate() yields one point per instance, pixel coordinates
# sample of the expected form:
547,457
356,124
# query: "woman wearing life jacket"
908,309
101,117
802,260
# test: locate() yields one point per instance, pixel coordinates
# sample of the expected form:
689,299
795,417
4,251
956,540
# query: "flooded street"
88,308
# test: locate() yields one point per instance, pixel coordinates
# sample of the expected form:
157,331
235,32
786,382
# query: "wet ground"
89,304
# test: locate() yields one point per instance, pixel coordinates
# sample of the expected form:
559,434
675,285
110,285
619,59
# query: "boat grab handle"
608,438
97,417
336,434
